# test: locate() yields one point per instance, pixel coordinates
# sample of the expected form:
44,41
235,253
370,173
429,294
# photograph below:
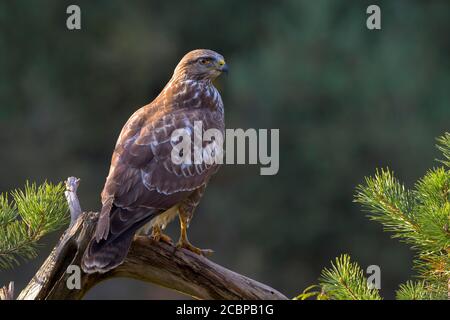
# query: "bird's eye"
203,61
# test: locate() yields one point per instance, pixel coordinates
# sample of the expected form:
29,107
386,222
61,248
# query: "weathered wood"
7,292
189,273
147,260
72,184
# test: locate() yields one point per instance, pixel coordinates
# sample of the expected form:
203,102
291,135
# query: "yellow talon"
158,235
184,242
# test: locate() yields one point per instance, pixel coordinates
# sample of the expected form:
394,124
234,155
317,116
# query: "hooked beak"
222,66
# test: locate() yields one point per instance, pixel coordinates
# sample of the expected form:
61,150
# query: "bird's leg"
184,242
158,235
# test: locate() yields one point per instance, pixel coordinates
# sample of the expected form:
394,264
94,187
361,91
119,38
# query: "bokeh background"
346,100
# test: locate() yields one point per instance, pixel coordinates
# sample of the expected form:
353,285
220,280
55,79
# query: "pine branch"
433,210
311,292
34,212
444,146
8,211
420,217
412,291
389,203
345,281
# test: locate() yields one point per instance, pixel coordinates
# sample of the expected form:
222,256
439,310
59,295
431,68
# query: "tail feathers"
106,255
110,244
102,230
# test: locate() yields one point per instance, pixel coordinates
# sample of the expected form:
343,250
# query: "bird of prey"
144,186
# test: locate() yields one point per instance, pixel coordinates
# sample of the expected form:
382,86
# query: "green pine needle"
33,213
8,211
309,293
433,211
412,291
389,203
444,146
345,281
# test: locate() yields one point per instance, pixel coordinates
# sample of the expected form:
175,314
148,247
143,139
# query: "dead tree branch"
147,260
7,292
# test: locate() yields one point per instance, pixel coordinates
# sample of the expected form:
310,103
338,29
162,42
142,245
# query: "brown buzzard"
144,186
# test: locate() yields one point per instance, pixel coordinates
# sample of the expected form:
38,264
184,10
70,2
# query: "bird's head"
201,64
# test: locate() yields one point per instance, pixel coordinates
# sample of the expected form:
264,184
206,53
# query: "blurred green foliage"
346,100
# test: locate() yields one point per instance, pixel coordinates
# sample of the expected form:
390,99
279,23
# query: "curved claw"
163,238
158,235
187,245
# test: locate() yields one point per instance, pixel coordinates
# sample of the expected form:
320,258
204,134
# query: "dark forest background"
346,100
